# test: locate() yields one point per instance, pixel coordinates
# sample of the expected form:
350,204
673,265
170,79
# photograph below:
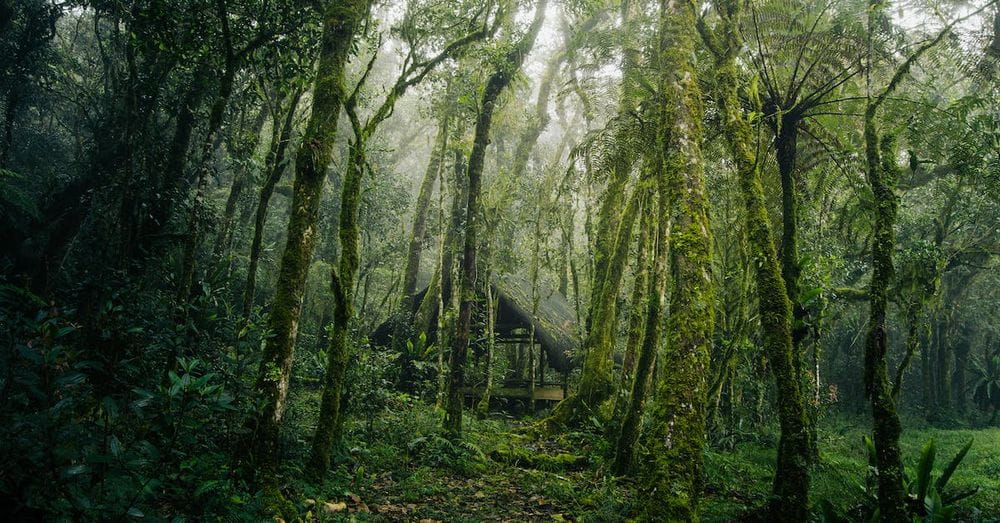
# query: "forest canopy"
500,260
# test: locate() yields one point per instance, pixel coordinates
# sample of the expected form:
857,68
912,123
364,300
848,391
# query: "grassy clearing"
402,469
740,478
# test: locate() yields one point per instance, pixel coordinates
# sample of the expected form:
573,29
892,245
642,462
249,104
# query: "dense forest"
500,260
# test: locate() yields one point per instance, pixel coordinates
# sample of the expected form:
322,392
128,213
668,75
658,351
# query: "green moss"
341,21
881,175
673,481
517,455
791,479
276,504
329,427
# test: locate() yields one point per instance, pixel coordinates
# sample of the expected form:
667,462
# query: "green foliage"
929,499
986,387
117,404
159,444
932,494
15,202
438,451
370,385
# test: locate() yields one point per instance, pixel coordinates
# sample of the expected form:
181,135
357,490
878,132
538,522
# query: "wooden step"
542,392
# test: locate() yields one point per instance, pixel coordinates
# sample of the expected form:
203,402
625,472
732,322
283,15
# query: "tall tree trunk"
619,162
675,477
887,428
435,309
242,148
460,345
913,312
791,476
963,345
638,302
342,280
597,384
648,300
596,380
275,164
403,328
534,366
786,144
341,21
329,429
193,237
445,301
483,407
882,174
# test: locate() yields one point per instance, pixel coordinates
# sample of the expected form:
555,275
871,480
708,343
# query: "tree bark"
596,381
331,413
403,329
483,407
791,478
887,428
341,21
647,303
195,217
460,345
596,384
276,167
674,480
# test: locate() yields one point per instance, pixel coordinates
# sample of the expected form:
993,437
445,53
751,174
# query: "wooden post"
541,364
531,370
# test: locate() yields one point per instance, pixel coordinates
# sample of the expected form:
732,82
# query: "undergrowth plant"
928,497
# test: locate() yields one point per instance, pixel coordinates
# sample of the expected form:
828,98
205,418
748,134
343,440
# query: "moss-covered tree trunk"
617,164
881,172
403,328
342,280
647,313
637,304
193,237
275,163
791,477
674,478
341,21
887,427
496,84
440,287
596,380
344,277
483,407
913,313
786,145
446,301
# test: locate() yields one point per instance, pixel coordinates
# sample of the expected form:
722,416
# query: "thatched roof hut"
555,324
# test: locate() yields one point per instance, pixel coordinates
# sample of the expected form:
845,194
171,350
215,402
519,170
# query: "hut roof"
555,323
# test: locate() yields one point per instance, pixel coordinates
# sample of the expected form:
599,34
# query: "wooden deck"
542,392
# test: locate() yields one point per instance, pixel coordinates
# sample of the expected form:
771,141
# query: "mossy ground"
404,469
